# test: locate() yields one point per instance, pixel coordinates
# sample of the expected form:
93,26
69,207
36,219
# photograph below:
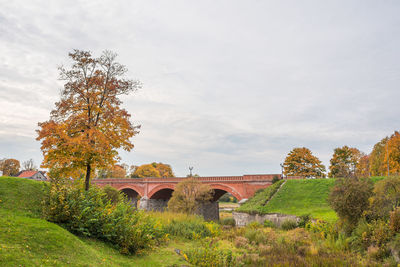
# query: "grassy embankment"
28,240
296,197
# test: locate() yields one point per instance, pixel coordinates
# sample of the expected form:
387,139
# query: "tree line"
346,162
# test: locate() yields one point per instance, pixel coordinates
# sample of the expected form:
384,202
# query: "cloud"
230,87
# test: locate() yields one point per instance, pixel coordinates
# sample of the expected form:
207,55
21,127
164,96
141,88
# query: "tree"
349,198
393,155
153,170
344,162
10,167
377,158
189,195
362,169
146,170
386,197
116,171
29,165
301,162
88,125
164,170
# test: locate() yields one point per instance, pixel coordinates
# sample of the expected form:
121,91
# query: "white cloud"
229,86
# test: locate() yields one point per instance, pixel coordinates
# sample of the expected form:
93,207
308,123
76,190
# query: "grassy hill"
28,240
296,197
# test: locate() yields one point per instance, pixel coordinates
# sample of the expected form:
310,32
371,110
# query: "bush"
89,213
394,221
268,223
228,221
192,229
349,198
289,225
304,219
112,195
210,255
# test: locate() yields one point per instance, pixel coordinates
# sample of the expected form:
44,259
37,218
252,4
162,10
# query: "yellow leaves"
301,162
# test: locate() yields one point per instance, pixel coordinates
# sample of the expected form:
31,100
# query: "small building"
34,175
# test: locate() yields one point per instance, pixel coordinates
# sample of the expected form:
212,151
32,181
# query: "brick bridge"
154,193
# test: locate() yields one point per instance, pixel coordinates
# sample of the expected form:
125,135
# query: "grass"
297,197
28,240
260,199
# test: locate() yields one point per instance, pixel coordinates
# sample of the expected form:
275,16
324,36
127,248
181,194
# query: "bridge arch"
131,193
163,191
224,188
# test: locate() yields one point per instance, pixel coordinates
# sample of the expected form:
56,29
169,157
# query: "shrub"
192,229
275,179
88,213
268,223
304,219
289,225
349,198
394,221
112,194
228,221
386,197
208,254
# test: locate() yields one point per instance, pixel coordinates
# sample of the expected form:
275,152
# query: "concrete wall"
242,219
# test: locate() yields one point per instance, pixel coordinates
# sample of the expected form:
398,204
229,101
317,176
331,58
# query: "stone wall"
210,211
242,219
153,204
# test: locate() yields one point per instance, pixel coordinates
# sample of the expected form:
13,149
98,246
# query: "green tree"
349,198
301,162
189,195
344,162
386,197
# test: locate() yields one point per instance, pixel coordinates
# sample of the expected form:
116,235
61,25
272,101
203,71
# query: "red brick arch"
160,187
133,187
227,189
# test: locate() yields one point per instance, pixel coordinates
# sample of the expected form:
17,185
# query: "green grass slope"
296,197
28,240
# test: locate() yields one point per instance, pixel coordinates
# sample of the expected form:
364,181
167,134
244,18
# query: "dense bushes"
91,213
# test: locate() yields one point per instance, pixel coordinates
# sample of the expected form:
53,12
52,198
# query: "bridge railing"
253,177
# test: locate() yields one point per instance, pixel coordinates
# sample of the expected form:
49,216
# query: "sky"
229,87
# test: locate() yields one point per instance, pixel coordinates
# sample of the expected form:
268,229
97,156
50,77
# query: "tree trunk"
87,179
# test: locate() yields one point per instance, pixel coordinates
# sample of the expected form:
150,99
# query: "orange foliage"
301,162
9,167
88,125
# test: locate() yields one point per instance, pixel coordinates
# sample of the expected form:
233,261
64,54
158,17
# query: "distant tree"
344,162
132,170
349,198
165,170
394,154
146,170
377,166
153,170
116,171
301,162
189,195
29,165
362,169
10,167
88,125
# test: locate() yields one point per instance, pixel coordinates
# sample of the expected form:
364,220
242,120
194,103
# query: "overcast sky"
230,87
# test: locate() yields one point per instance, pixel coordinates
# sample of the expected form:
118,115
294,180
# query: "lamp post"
190,169
281,170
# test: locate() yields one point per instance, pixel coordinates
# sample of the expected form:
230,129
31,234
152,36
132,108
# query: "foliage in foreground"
91,214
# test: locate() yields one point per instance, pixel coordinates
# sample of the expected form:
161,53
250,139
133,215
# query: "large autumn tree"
301,162
345,162
88,124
